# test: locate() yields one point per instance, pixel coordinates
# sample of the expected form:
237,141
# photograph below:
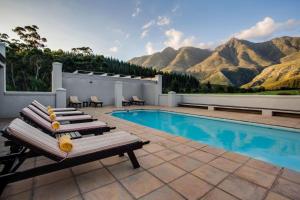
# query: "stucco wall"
163,100
84,86
261,101
13,102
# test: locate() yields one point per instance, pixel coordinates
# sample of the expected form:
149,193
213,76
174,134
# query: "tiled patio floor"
171,168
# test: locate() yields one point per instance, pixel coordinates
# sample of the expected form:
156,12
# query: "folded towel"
65,143
52,117
50,111
55,125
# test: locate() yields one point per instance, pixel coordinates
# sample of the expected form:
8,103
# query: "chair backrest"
37,119
94,99
40,113
29,136
135,98
40,106
74,99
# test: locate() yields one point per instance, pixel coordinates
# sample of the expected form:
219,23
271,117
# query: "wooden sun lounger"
94,100
94,127
59,112
54,109
137,101
27,142
70,119
74,101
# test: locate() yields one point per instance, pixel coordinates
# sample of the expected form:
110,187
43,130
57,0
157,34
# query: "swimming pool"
277,145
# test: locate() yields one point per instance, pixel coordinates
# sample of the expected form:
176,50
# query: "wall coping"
28,93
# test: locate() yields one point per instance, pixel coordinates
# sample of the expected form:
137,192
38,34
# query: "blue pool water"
280,146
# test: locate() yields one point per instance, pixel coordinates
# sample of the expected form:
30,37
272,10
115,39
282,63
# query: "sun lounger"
54,109
125,102
70,119
94,100
137,101
74,101
29,142
94,127
58,113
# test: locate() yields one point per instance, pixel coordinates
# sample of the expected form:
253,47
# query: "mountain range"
272,64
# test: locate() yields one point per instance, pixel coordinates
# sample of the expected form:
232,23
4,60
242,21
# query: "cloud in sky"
266,28
176,39
148,24
149,48
137,9
175,8
113,49
162,21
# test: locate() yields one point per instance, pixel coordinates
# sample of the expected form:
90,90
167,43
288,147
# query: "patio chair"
94,127
125,102
74,101
70,119
57,112
96,101
54,109
28,142
137,101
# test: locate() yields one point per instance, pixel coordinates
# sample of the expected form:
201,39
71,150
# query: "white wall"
163,100
261,101
84,86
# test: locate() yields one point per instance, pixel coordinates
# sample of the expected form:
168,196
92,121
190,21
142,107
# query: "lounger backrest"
74,99
94,99
29,136
40,106
135,98
39,112
37,119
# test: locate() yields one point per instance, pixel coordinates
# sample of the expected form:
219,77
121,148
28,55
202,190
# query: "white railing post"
118,93
56,76
172,99
158,89
61,98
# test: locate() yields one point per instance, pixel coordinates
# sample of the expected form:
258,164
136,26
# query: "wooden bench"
253,110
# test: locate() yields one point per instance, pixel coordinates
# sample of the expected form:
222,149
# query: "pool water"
277,145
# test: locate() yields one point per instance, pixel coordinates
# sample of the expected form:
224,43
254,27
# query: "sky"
128,28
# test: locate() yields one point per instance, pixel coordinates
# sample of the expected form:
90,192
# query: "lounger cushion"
58,110
59,118
23,132
63,128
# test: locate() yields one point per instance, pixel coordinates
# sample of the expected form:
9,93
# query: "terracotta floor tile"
183,149
141,184
112,191
140,152
180,139
287,188
113,160
275,196
17,187
186,163
213,150
242,189
65,189
217,194
202,156
76,198
151,148
235,157
196,145
210,174
190,187
263,166
167,154
225,164
163,193
20,196
94,179
291,175
123,170
79,169
168,143
167,172
150,161
52,177
256,176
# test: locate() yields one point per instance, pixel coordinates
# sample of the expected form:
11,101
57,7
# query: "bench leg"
133,159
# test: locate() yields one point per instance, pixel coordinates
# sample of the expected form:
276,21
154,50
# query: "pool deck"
171,168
